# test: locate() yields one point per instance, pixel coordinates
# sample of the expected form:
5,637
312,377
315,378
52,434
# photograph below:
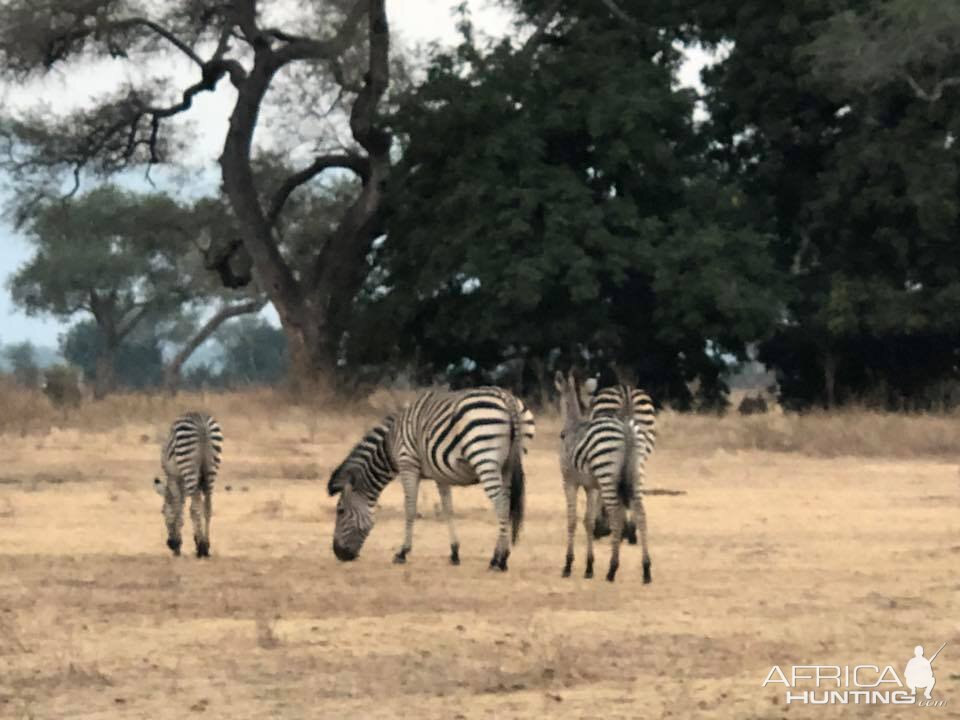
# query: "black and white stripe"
191,461
629,403
454,438
600,455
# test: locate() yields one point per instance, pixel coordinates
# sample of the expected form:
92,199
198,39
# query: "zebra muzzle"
343,554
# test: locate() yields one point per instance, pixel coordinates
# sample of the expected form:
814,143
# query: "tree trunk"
315,302
829,379
313,358
104,378
171,373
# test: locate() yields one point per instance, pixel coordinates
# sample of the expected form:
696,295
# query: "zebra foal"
599,455
190,460
453,438
630,403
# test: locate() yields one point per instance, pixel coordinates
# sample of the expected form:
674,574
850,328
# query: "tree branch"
541,27
303,48
132,317
375,140
619,13
936,93
162,32
172,371
359,165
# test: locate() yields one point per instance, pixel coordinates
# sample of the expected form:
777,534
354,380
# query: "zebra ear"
559,381
159,487
337,480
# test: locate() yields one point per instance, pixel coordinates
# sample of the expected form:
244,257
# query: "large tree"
857,183
336,48
554,199
109,253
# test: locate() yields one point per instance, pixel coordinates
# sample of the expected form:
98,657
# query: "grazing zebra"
454,438
600,455
628,402
191,460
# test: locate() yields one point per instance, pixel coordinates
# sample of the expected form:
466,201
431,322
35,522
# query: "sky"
412,22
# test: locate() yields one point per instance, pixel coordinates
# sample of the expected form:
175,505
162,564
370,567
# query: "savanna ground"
821,539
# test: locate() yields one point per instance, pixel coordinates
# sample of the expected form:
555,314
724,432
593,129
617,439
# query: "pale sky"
412,22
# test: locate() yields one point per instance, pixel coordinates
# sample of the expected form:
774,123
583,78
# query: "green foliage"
857,184
109,252
560,199
254,353
23,363
912,43
137,362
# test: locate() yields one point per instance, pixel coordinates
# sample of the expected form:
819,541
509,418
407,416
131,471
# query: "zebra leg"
493,486
617,514
640,517
446,503
570,490
173,515
207,513
411,489
589,519
630,524
196,517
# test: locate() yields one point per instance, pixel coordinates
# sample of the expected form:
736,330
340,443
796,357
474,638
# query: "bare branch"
936,93
375,140
162,32
359,165
618,12
303,48
130,322
172,371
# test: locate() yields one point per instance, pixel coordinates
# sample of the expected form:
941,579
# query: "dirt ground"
770,558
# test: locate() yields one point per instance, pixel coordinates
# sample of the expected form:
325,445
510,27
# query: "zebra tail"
517,480
627,482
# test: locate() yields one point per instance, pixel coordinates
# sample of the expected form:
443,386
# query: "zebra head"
575,397
358,481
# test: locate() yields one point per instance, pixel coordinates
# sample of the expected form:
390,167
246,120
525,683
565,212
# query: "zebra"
454,438
600,455
190,460
629,402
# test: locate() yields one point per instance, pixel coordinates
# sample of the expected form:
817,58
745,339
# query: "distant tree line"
520,205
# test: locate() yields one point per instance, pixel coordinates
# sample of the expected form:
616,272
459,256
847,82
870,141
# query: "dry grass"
781,551
848,432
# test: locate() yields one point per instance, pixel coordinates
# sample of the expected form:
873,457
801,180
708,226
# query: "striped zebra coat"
627,402
191,461
453,438
599,454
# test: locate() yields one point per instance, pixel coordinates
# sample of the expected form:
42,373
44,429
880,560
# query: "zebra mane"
359,455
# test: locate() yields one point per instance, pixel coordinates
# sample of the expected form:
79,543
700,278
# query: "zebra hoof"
455,554
499,561
611,574
565,573
203,549
647,579
588,574
174,545
400,558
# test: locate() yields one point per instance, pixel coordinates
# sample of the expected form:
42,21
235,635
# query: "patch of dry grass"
848,432
144,418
